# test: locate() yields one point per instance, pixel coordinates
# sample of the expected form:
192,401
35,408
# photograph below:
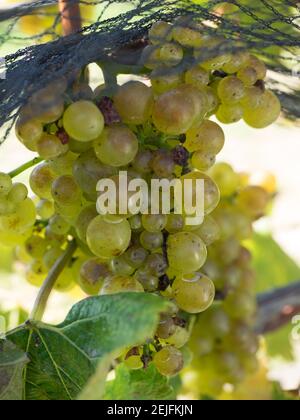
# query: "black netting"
116,31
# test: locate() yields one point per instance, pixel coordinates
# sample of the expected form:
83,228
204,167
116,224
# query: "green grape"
45,209
237,62
18,193
200,100
253,200
79,147
217,321
108,240
154,222
258,65
136,223
53,239
58,225
179,338
147,280
198,77
174,112
82,90
248,76
120,284
117,146
226,179
230,114
166,326
187,37
253,97
156,264
136,256
70,212
228,250
186,252
266,113
51,256
50,146
134,102
121,267
211,45
50,113
36,273
6,206
150,57
11,238
163,164
92,276
243,339
194,293
163,79
171,54
231,90
5,183
168,361
142,161
209,231
65,191
207,137
203,161
84,219
63,164
211,190
134,363
151,241
28,132
240,305
175,223
83,121
88,171
159,32
243,226
21,220
41,180
65,282
212,100
36,246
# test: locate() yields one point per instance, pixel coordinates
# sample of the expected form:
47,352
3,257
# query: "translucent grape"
36,273
194,293
142,161
197,77
36,246
237,62
5,183
166,326
80,147
253,200
156,264
154,222
266,113
207,137
117,146
186,252
134,363
163,164
136,222
203,161
159,32
171,54
231,90
163,79
65,191
18,193
83,121
225,177
21,220
252,98
134,102
168,361
151,241
63,164
136,256
108,240
84,219
58,225
179,338
146,279
248,76
29,131
92,275
121,267
49,146
187,37
175,223
258,65
209,231
41,180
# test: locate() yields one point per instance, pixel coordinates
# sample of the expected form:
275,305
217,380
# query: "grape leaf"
12,362
274,268
63,358
142,384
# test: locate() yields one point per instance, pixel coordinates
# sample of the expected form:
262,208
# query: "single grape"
175,223
207,137
163,164
65,191
121,267
203,161
51,112
179,338
41,180
166,326
150,57
134,363
226,179
253,97
83,121
159,32
50,146
58,225
187,37
136,223
134,102
240,305
186,252
18,193
51,256
63,164
117,146
5,183
230,114
65,282
154,222
36,273
168,361
253,200
237,62
194,293
164,79
7,207
142,161
258,65
84,219
136,256
120,284
231,90
79,147
198,77
149,282
36,246
209,231
151,241
29,131
248,75
108,240
266,113
92,276
21,220
156,264
171,54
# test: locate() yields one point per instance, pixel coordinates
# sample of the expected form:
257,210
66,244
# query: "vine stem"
70,16
24,167
46,289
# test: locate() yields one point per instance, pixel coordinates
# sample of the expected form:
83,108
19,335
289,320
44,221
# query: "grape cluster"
224,340
152,131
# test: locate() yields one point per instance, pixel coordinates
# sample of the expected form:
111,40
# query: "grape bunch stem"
24,167
45,291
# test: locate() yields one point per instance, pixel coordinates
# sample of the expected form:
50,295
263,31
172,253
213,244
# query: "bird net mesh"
116,30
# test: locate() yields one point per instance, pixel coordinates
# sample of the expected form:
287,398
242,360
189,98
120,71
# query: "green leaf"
12,362
274,268
142,384
64,358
